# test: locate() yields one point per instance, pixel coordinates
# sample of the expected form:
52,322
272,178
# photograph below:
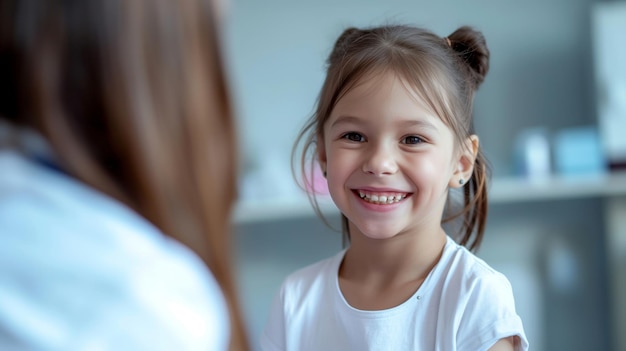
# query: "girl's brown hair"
132,99
444,72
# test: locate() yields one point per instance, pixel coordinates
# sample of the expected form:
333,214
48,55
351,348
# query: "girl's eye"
352,136
412,139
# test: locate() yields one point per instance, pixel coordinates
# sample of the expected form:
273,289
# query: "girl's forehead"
383,85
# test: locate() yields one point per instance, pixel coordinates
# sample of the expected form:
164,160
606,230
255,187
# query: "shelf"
276,209
507,190
502,191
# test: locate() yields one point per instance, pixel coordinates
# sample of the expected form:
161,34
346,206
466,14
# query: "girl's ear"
321,153
465,162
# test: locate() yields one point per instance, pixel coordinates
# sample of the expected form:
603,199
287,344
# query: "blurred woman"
117,178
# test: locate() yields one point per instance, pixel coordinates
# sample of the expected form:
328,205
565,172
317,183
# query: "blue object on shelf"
578,151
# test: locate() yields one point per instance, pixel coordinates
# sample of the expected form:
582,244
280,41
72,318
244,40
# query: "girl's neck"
391,256
380,274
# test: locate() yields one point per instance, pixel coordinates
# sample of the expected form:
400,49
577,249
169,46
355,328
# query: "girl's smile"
380,200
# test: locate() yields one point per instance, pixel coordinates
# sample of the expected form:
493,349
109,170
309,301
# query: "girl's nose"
380,161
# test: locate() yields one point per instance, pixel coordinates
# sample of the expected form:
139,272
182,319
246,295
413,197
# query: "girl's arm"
504,344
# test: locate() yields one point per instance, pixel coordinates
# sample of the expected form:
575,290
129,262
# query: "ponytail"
470,47
475,204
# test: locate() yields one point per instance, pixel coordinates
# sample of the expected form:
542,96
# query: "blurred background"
551,116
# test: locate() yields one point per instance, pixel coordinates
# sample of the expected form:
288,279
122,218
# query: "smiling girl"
393,134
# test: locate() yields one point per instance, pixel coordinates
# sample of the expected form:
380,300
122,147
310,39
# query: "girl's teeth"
381,199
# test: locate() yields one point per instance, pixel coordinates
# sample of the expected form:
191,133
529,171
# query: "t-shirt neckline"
407,305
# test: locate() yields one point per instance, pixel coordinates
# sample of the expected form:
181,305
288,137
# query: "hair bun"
472,48
342,42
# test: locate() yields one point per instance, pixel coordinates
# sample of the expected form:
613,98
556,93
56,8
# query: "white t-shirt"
81,271
462,305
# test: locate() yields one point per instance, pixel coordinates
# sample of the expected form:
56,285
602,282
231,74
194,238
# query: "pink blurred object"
318,185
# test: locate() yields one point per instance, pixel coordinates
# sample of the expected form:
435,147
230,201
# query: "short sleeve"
489,315
273,337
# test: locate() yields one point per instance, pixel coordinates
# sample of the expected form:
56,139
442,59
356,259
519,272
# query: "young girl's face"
389,159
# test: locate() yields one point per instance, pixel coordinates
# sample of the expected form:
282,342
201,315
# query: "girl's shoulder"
311,284
479,298
315,273
457,260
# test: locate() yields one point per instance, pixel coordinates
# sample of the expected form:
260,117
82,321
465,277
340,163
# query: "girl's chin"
378,232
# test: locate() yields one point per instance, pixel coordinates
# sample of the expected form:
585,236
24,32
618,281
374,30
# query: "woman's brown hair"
444,72
131,96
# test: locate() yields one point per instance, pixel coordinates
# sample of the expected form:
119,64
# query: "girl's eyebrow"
403,123
418,123
346,120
